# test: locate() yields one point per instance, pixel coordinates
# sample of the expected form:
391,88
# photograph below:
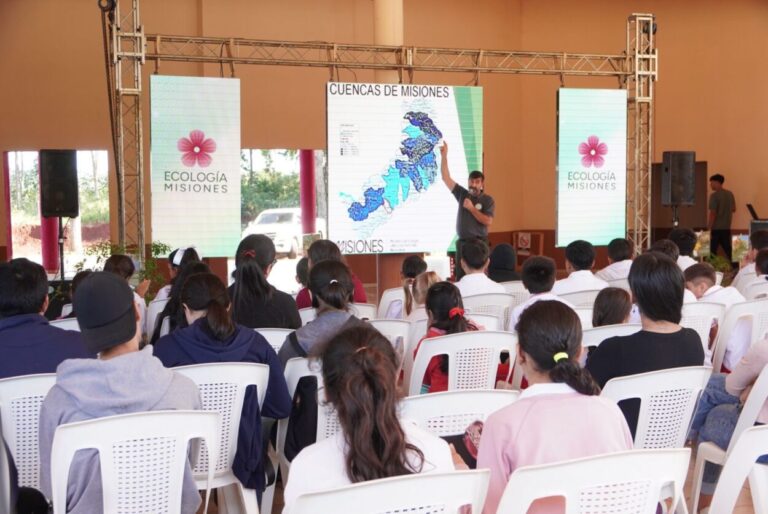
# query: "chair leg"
249,499
229,500
698,476
267,499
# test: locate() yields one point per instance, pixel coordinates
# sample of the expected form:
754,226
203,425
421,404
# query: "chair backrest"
307,314
418,331
473,358
596,335
756,311
487,321
363,310
5,480
755,401
757,290
514,286
581,298
417,493
585,316
751,444
700,316
222,389
66,310
20,402
142,457
451,412
621,283
624,482
66,324
154,309
667,401
396,294
477,302
275,336
398,332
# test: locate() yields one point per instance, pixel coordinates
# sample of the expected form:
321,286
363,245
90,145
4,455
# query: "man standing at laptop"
476,208
722,205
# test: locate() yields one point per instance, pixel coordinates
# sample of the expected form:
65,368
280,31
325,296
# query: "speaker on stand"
58,190
678,182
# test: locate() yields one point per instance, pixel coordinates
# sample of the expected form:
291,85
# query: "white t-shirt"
478,283
615,271
686,262
517,311
322,466
163,293
744,277
725,295
738,344
141,305
582,280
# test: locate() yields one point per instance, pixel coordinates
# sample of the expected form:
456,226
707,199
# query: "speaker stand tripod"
675,216
61,247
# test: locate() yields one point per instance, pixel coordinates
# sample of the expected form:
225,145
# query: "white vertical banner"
195,163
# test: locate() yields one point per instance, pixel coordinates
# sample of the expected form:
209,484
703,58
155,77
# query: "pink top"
549,423
746,371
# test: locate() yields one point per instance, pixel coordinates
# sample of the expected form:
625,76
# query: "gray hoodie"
317,331
90,388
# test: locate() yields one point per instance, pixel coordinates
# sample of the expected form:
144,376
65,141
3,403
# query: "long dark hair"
254,255
447,310
360,372
205,291
546,330
187,255
612,306
413,266
173,309
331,282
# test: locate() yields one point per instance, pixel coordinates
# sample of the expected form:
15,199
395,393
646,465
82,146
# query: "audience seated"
657,286
761,272
669,248
620,253
413,266
212,336
579,259
445,312
331,284
325,250
613,306
503,261
255,302
758,240
419,294
360,372
122,380
538,279
28,344
79,276
177,259
122,266
174,309
559,416
474,263
685,239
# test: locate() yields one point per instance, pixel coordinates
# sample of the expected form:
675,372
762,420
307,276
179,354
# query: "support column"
307,198
7,207
49,243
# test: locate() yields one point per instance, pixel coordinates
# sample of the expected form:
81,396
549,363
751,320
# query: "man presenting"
475,207
722,205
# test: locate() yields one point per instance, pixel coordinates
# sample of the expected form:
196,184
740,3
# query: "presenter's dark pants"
720,238
458,272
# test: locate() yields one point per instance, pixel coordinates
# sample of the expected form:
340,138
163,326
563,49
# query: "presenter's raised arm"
449,182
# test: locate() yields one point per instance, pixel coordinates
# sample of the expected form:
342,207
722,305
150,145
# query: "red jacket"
304,298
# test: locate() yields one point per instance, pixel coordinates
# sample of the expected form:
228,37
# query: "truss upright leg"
643,63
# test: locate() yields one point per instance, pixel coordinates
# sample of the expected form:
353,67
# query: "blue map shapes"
374,198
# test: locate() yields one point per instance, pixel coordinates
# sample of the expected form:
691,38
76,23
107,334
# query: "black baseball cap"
105,311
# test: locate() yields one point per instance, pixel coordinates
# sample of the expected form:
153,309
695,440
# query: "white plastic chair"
427,492
756,311
20,402
621,283
142,457
363,310
222,388
473,358
668,400
397,331
585,316
700,316
307,314
710,452
66,310
327,422
487,321
596,335
389,296
757,290
631,481
418,331
154,309
451,412
66,324
489,303
275,336
514,286
581,298
741,465
5,481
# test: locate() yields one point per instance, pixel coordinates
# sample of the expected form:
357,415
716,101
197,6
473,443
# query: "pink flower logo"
196,149
592,152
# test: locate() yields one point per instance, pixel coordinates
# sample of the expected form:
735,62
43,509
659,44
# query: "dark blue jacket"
196,345
29,345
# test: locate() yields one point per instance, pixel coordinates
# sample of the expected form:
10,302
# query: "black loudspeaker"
678,178
58,184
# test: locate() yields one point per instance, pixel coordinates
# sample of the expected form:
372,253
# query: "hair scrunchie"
456,311
250,254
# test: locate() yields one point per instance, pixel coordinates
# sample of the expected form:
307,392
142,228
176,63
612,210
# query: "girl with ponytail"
560,416
421,285
445,315
255,303
212,336
360,371
413,266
